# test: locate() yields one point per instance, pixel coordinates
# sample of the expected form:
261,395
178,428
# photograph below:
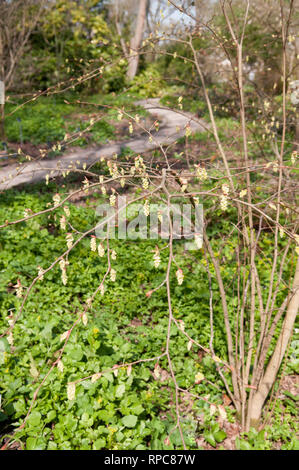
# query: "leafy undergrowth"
47,120
133,409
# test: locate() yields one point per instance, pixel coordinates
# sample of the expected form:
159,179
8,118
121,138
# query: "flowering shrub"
146,342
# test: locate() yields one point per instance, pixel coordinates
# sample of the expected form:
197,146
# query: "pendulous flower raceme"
101,250
63,264
224,197
201,173
180,276
69,240
93,243
157,259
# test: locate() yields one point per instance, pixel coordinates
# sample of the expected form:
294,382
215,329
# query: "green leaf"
4,347
75,352
99,444
290,395
210,439
50,416
34,443
31,443
34,418
52,445
219,436
129,421
120,390
33,371
295,444
241,444
3,417
137,409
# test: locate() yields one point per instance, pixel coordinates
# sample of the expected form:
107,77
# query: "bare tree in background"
203,9
17,21
129,21
116,14
136,40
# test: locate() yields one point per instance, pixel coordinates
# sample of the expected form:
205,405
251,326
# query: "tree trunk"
197,10
2,92
2,122
136,40
297,78
115,16
268,379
